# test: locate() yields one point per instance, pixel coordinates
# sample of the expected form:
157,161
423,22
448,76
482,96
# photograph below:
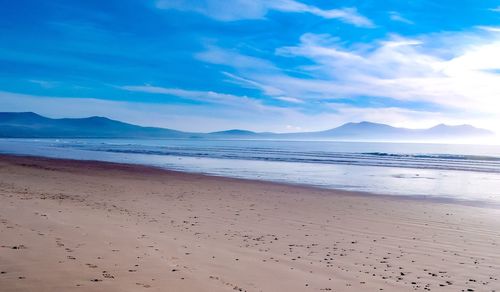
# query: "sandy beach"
89,226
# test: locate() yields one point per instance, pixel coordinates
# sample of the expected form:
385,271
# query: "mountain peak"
20,114
466,130
453,126
364,124
234,132
32,125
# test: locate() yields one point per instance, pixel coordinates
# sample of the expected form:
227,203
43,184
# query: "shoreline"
330,191
70,225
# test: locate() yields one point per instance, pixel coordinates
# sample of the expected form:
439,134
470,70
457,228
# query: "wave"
475,163
436,156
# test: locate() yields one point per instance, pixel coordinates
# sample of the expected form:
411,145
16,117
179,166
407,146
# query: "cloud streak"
257,9
396,16
496,9
204,96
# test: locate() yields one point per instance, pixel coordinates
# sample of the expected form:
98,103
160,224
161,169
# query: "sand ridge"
87,226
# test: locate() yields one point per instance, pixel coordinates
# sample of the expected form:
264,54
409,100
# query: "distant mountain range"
32,125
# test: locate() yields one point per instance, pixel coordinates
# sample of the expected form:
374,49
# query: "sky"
261,65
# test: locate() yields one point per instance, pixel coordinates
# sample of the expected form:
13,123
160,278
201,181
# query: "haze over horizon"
278,66
20,114
33,125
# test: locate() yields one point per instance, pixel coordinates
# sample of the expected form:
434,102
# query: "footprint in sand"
143,285
107,275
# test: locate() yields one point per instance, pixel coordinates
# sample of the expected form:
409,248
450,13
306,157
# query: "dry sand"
89,226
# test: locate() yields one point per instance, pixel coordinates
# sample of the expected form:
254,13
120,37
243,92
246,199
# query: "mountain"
32,125
465,130
371,131
375,131
365,130
234,133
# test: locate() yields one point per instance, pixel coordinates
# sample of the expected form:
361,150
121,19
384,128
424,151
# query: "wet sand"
91,226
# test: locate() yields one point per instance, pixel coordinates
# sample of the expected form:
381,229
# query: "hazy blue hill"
32,125
234,132
465,130
368,130
365,129
22,118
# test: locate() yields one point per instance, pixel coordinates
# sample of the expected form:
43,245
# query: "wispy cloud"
408,69
496,9
289,99
217,55
233,101
461,80
489,28
44,83
268,90
203,96
257,9
396,16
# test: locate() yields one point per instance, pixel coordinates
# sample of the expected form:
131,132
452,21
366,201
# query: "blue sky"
275,65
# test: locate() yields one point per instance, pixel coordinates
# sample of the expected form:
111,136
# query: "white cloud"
44,83
396,16
293,128
204,96
489,28
217,55
398,68
289,99
224,10
247,83
457,73
496,9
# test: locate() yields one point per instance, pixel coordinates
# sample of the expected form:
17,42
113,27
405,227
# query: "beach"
68,225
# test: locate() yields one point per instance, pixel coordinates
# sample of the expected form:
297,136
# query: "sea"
465,173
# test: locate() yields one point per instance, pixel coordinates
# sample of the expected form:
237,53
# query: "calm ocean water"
462,172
